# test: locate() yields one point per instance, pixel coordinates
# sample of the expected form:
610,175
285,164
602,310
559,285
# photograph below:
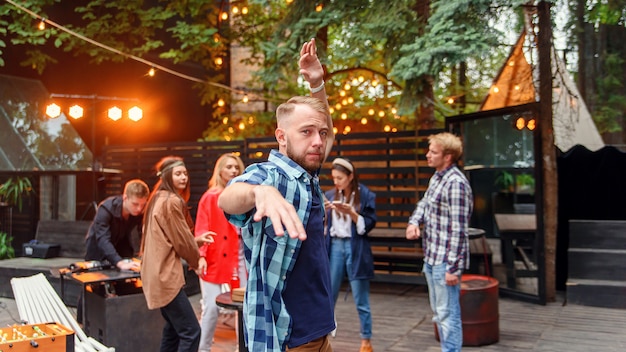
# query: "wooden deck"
402,323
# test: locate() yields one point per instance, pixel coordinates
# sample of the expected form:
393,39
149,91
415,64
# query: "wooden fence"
391,164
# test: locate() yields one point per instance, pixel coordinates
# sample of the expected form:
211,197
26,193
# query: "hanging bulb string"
130,56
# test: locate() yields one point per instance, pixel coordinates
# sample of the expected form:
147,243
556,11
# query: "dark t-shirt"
307,295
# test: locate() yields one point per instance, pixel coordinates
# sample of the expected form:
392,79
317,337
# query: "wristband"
317,89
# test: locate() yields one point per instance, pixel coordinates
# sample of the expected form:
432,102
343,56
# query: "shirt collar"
442,173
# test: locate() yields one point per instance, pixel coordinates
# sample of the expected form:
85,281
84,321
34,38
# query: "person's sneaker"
366,346
334,332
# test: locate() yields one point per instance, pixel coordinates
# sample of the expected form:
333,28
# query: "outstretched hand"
310,65
270,203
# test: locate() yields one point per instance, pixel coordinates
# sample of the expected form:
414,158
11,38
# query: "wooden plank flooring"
402,323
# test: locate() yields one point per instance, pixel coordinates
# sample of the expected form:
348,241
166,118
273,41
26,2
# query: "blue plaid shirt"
445,211
271,258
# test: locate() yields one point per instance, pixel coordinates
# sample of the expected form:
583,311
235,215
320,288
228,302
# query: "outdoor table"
224,300
513,227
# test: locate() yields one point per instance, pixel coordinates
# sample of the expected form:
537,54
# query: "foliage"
611,113
505,181
6,248
525,183
15,189
380,56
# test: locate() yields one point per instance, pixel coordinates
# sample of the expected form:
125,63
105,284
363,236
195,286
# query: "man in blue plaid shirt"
279,206
444,213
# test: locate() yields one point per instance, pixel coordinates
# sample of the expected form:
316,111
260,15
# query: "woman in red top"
222,256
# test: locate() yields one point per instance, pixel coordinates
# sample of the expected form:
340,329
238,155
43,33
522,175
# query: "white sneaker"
334,332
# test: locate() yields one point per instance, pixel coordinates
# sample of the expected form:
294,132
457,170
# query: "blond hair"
450,144
136,188
216,179
285,110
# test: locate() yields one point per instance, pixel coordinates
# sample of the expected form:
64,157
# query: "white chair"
37,302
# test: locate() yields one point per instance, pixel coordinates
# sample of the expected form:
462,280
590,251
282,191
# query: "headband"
345,163
170,166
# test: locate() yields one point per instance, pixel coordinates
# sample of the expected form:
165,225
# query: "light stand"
135,114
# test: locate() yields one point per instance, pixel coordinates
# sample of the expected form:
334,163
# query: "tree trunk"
547,219
425,116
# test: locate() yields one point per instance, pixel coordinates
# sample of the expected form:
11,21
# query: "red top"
222,254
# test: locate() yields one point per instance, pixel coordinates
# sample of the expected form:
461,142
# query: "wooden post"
548,218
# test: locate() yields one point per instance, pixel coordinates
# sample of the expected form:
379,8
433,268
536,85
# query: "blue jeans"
181,331
446,307
340,264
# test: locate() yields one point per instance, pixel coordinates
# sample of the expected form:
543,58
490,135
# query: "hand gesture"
310,65
269,202
206,237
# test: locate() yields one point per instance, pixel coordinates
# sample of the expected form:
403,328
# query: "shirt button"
225,238
293,251
284,277
224,255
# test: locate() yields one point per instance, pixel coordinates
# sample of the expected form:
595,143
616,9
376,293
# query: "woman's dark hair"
345,166
164,169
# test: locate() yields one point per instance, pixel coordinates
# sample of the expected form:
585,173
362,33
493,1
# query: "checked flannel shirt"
445,211
271,258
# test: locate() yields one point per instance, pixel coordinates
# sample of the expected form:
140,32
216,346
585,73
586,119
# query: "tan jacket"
168,238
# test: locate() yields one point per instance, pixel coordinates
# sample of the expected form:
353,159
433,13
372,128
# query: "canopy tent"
515,84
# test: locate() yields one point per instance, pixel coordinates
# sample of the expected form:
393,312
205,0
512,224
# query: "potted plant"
6,249
13,190
505,182
525,183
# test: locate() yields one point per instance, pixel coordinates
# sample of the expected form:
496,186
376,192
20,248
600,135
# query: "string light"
344,116
221,102
151,72
245,99
42,24
235,10
244,10
364,121
224,16
319,7
219,61
126,55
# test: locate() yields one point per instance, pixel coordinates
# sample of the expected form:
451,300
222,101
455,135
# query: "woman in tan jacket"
168,237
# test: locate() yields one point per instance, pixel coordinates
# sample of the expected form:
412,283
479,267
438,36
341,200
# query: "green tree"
389,64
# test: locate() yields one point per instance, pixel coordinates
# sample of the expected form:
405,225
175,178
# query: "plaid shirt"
271,258
445,211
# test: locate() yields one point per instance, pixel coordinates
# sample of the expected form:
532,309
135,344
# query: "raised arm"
313,72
